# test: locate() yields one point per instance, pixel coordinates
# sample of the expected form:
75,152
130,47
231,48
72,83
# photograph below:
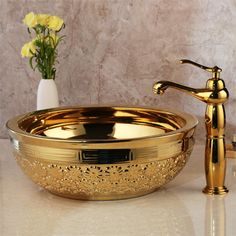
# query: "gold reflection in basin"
102,153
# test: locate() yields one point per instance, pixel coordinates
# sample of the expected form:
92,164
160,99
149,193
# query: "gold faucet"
214,95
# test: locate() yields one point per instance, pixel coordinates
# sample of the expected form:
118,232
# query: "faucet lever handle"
214,70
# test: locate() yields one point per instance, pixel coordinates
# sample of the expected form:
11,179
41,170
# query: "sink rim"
15,130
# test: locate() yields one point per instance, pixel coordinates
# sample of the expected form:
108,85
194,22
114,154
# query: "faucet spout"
207,95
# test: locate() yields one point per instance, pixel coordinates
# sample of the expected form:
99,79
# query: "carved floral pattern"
102,181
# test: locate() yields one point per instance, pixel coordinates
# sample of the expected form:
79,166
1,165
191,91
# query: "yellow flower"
42,19
55,23
30,20
28,49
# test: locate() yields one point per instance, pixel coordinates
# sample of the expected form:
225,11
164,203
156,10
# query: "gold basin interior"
97,123
102,152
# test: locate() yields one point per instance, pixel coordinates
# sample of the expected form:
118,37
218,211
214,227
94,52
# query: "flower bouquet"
42,53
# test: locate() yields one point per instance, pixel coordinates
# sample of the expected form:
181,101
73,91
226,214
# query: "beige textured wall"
116,49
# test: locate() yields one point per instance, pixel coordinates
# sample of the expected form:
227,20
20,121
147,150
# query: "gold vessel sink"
102,153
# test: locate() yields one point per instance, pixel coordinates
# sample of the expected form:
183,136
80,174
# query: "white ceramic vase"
47,95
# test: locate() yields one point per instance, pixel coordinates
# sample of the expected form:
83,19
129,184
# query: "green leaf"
31,63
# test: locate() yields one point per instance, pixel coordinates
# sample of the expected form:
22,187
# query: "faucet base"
215,190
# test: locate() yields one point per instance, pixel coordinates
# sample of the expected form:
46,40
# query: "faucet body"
214,95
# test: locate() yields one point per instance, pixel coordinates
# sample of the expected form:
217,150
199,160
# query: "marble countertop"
177,209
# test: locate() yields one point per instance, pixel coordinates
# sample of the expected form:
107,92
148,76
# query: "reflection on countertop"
178,209
215,216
